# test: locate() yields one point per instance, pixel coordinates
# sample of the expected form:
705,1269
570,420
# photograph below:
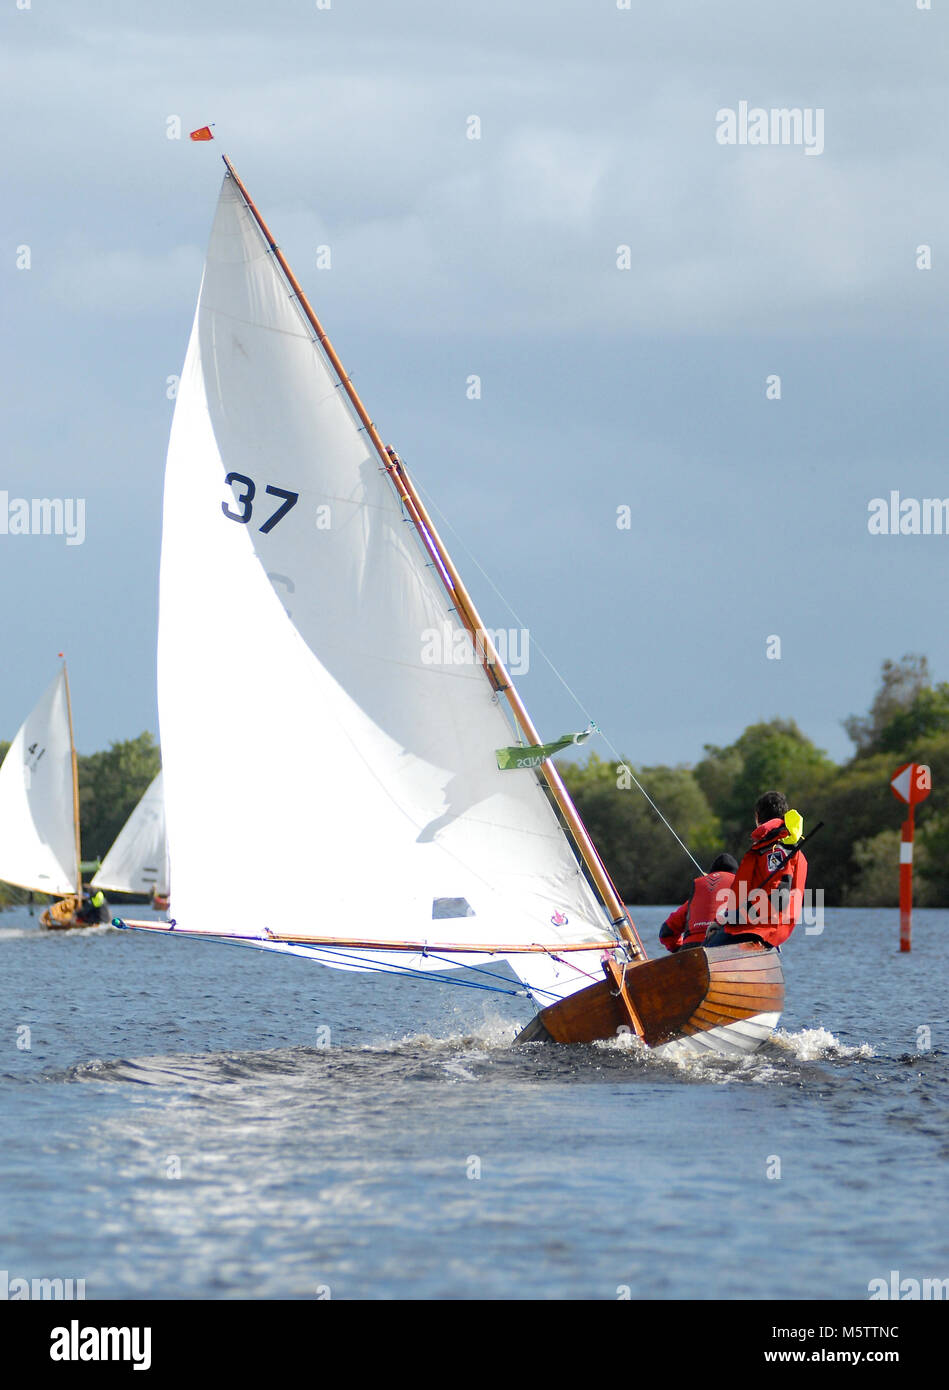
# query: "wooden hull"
61,916
727,999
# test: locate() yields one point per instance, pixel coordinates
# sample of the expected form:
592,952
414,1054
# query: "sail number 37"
245,500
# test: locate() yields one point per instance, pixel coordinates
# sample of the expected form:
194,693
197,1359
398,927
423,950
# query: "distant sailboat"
323,761
39,807
138,861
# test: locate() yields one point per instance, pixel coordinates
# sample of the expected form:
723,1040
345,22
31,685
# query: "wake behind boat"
321,754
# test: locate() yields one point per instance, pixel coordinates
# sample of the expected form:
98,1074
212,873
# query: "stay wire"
573,695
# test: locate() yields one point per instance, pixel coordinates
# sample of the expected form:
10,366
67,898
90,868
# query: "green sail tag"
532,755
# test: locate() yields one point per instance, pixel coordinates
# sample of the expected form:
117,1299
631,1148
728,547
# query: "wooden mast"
464,605
75,789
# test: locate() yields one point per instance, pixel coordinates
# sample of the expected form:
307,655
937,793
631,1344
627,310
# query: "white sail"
329,764
138,861
37,828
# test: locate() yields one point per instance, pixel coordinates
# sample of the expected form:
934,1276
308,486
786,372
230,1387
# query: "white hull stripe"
731,1040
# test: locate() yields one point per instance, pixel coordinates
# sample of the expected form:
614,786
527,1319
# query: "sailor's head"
771,806
724,864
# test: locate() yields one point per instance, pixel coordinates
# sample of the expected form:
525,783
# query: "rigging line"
364,966
376,968
432,975
380,968
503,705
478,969
530,989
579,970
393,969
573,695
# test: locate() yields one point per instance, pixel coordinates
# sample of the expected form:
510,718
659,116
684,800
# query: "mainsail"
138,861
38,841
330,772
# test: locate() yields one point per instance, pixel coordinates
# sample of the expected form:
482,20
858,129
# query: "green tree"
932,825
900,684
110,784
767,757
908,722
854,859
918,723
644,860
877,880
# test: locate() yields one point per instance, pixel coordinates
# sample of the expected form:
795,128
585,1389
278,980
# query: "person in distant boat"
768,898
704,908
93,908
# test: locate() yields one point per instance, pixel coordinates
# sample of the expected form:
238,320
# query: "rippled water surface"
351,1168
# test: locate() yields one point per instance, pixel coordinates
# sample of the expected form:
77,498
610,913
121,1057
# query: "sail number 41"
245,500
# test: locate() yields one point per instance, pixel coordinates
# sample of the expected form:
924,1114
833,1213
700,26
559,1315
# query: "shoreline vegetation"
854,859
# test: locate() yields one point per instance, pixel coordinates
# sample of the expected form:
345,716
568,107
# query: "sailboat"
326,756
138,860
39,807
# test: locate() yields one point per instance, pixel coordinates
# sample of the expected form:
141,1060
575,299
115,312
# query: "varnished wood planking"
766,994
746,964
732,977
587,1016
682,995
709,1017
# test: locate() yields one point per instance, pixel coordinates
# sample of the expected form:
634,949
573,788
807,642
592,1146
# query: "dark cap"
724,863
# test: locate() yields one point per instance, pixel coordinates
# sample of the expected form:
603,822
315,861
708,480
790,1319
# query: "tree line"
855,856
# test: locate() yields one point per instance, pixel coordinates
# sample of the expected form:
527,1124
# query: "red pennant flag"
203,134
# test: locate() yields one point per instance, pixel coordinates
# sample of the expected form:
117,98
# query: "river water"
191,1120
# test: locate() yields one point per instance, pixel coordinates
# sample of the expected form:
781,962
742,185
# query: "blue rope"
492,974
375,966
421,974
262,944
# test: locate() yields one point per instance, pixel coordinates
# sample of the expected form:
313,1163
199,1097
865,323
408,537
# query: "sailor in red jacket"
768,903
703,909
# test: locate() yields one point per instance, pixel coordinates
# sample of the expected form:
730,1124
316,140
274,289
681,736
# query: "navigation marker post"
910,783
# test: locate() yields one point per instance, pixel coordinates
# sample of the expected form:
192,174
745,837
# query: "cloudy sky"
497,257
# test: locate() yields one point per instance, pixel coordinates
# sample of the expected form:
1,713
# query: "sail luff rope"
621,762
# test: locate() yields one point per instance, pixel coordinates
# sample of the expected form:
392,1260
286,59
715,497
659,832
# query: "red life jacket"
706,906
670,933
689,923
774,911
